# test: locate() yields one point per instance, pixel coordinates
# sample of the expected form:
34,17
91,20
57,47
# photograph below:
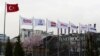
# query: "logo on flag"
91,28
53,24
72,26
83,27
25,21
12,7
62,25
39,22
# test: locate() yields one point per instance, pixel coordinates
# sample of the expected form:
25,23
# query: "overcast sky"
76,11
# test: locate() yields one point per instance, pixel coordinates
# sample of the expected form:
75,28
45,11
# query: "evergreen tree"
0,47
8,49
91,47
18,50
87,45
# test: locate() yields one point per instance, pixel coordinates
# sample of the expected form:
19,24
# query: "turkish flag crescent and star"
12,7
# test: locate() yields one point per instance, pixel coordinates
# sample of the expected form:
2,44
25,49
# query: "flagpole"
4,21
58,43
32,33
69,38
4,24
46,25
80,32
47,35
19,26
58,38
33,26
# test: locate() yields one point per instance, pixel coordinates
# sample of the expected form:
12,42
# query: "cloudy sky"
75,11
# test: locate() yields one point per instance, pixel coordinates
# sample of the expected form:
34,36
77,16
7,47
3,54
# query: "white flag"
72,26
25,21
51,23
39,22
91,28
62,25
83,27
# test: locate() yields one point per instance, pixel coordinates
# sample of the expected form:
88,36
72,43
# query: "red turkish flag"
12,7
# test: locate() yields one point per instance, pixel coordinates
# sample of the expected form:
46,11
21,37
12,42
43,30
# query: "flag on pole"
12,7
83,27
62,25
39,22
25,21
91,28
72,26
9,8
51,23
